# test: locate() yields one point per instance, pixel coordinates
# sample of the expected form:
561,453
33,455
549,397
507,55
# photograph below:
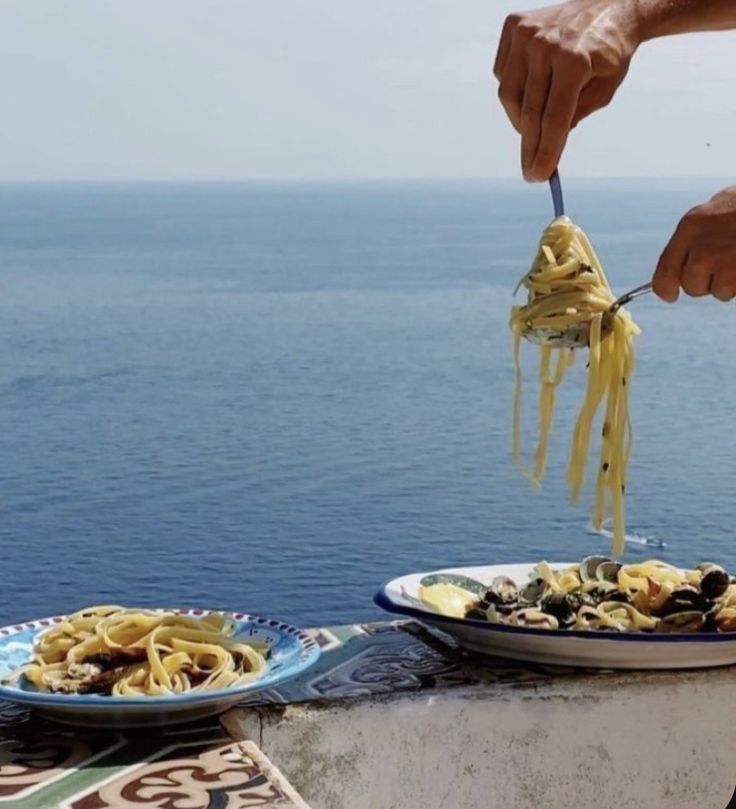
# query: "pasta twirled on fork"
568,294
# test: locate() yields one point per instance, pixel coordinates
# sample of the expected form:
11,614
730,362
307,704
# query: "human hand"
556,65
700,257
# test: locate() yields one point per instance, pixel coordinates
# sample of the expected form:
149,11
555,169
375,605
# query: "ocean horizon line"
344,181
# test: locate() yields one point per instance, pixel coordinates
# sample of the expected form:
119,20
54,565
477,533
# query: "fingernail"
540,174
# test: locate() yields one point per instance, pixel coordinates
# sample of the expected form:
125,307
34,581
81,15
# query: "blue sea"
274,397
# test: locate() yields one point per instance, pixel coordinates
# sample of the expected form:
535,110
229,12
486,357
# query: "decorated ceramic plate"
561,646
290,652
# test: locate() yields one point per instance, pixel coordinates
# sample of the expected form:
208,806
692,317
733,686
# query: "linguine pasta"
596,594
568,294
134,653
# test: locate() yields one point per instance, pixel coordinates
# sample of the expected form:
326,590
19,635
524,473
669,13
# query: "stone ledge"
496,735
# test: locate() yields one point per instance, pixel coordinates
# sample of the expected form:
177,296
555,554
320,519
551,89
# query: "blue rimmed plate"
291,651
589,649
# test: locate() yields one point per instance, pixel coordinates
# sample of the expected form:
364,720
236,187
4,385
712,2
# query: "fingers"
666,280
696,277
724,284
696,261
570,74
545,57
536,91
504,45
510,67
511,91
710,270
539,85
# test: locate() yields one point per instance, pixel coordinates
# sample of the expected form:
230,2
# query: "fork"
559,206
578,335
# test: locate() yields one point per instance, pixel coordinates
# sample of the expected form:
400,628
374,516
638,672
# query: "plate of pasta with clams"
111,665
595,613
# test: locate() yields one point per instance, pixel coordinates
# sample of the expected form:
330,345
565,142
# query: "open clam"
533,591
685,598
503,590
589,567
529,616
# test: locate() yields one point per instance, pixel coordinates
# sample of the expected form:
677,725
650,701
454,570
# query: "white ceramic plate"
619,650
291,651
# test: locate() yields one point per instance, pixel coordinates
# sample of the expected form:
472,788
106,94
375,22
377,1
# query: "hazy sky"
322,88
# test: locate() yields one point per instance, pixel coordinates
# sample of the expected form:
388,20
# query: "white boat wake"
633,539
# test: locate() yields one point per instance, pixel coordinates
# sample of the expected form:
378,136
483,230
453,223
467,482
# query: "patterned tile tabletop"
45,766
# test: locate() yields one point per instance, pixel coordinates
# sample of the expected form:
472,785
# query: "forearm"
658,18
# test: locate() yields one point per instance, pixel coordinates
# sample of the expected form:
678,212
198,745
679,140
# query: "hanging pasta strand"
568,294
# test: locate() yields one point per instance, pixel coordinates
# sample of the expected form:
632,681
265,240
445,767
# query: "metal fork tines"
577,336
637,292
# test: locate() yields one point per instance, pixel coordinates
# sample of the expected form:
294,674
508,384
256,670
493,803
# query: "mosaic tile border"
28,765
391,657
231,776
45,765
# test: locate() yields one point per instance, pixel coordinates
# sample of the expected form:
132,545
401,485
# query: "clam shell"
533,591
531,616
714,582
685,598
608,571
503,590
589,566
